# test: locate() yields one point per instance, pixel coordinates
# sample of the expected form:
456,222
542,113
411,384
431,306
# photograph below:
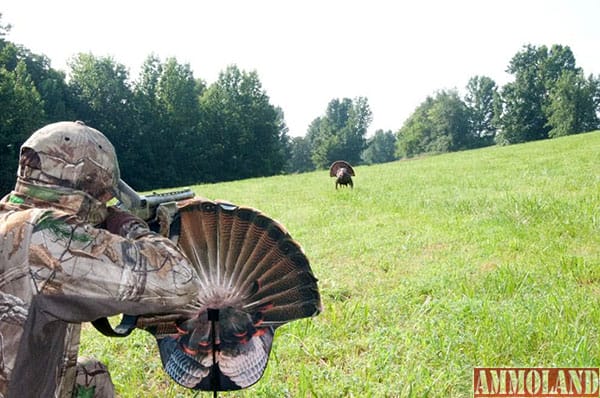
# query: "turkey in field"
343,173
254,278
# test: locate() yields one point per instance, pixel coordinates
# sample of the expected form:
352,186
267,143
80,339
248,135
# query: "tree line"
172,129
549,97
168,127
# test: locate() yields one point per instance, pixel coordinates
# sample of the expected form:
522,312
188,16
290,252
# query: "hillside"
428,268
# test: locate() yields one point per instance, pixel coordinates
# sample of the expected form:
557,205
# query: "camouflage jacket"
55,273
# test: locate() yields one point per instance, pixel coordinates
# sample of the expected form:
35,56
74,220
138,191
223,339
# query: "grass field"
428,268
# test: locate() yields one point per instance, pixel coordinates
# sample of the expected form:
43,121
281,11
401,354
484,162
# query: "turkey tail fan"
253,278
339,164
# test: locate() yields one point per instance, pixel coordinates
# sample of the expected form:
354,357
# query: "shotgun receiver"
146,206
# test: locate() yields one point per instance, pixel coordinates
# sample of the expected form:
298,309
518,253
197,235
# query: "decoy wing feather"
247,367
231,370
182,368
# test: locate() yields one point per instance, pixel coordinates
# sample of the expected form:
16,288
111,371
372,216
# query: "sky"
309,52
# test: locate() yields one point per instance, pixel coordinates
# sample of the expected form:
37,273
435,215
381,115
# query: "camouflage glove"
121,222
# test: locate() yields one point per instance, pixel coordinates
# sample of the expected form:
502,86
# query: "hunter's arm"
140,273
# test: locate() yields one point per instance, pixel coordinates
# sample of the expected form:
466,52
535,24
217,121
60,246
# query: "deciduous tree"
526,99
381,148
439,124
21,110
480,97
572,108
340,134
167,98
242,133
300,156
103,98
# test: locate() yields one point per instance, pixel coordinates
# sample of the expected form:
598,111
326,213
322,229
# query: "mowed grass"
428,268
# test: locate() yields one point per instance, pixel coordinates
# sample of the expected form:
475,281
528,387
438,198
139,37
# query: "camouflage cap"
70,155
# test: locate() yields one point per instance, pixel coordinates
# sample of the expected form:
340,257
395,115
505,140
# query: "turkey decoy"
343,173
254,278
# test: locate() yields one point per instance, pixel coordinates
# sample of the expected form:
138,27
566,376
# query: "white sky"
309,52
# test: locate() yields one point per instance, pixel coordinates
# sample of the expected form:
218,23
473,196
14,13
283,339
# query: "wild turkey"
343,173
254,278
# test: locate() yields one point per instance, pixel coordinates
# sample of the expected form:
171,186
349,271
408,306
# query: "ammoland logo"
535,382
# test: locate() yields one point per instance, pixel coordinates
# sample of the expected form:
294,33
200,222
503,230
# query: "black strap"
123,329
213,317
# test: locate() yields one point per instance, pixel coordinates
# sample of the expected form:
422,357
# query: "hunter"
66,257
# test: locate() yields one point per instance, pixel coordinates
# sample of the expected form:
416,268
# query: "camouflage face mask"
79,203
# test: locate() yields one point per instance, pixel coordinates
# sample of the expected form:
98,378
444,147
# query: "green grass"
428,268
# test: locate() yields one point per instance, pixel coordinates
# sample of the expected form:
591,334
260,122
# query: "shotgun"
146,206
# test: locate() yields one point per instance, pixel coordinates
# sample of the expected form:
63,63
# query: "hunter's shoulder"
12,206
15,215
